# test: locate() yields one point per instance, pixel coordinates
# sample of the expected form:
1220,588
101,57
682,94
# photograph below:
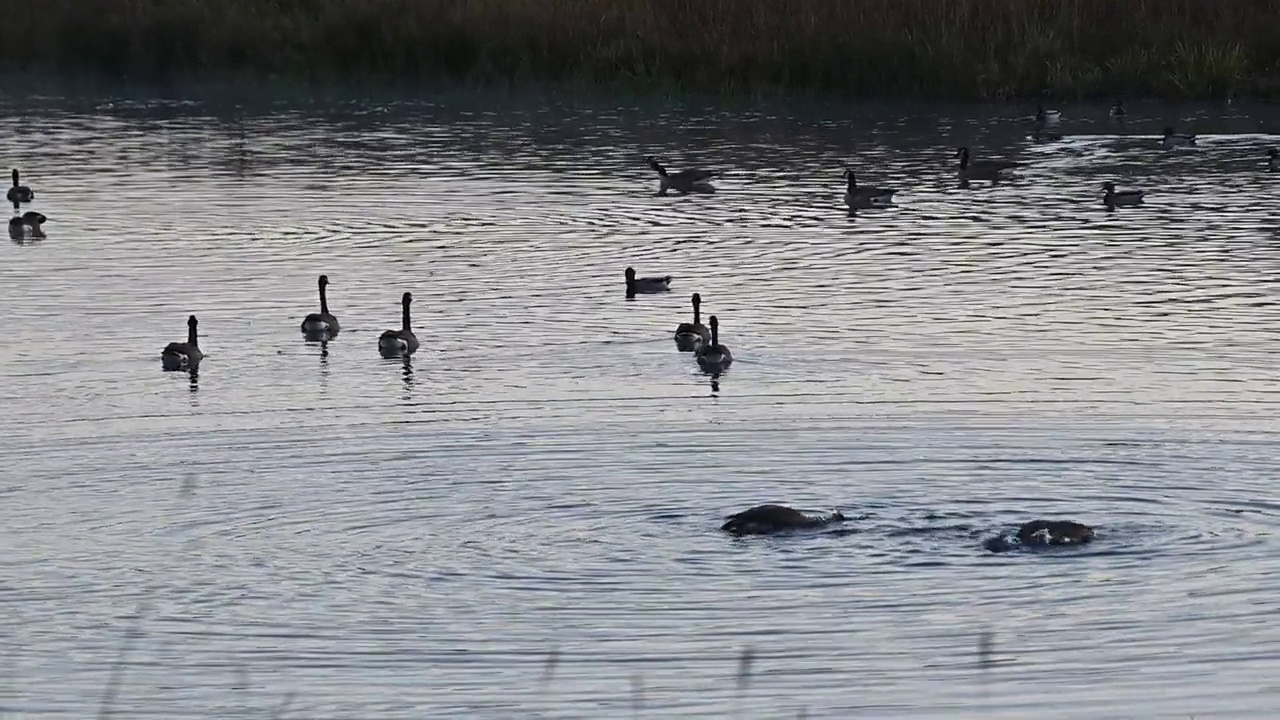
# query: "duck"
1044,533
683,182
1047,117
714,357
1271,159
1123,197
323,322
1117,110
771,518
691,336
402,342
19,193
1172,139
984,169
855,196
28,222
183,356
646,284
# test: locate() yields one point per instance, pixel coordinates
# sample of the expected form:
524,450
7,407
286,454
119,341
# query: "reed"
954,49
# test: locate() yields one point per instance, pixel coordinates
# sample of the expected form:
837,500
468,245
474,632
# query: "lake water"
524,521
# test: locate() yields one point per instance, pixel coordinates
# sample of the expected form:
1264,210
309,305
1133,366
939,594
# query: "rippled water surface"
523,522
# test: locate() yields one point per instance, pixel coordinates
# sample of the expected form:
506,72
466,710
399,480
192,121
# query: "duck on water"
770,518
1043,533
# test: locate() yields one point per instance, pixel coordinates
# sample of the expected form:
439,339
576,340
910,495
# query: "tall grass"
936,48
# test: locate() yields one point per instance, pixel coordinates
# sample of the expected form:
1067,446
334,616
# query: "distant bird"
1123,197
1271,159
1047,117
984,169
646,285
691,336
321,323
685,181
1118,111
28,222
771,518
402,342
864,196
714,357
183,356
1172,139
19,193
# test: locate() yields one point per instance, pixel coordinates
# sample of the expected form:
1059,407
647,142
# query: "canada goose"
685,181
1172,139
183,356
402,342
19,193
323,322
1271,159
1117,110
646,284
1123,197
29,221
1044,533
767,519
855,196
1047,117
691,336
714,357
984,169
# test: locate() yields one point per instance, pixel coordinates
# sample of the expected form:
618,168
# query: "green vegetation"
946,49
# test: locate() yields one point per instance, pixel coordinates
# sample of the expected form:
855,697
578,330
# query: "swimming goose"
646,284
691,336
714,357
402,342
29,221
1117,110
19,193
685,181
1047,117
1124,197
183,356
766,519
323,322
1271,159
855,196
984,169
1172,139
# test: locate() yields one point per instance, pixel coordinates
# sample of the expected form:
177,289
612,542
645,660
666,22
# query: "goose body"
645,284
714,357
1173,139
864,196
28,222
183,356
683,182
1047,117
1271,159
1117,111
1042,534
322,323
402,342
984,169
19,193
769,519
1112,197
691,336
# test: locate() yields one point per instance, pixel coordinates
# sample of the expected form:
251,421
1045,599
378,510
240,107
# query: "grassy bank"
953,49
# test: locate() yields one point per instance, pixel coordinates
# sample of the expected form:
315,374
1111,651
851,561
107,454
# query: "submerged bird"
646,284
19,193
864,196
402,342
323,322
28,222
1271,159
1117,110
691,336
1124,197
1172,139
1047,117
984,169
1044,533
685,181
714,357
183,356
768,519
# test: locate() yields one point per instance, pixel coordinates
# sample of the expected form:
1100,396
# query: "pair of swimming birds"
30,221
